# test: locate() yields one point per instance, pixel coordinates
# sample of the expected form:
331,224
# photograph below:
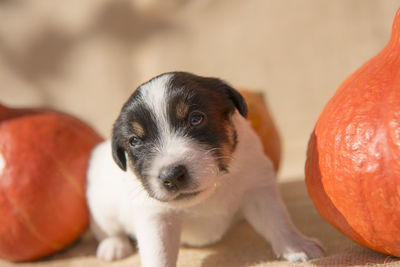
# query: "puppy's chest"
206,223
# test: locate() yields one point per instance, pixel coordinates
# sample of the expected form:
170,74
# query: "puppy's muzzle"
174,177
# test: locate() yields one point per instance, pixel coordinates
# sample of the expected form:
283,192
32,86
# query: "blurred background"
87,57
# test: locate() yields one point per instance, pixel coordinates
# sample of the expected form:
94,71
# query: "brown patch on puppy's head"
228,148
182,109
138,129
217,101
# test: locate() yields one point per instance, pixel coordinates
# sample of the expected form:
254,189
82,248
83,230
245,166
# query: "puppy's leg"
158,238
265,211
111,247
114,248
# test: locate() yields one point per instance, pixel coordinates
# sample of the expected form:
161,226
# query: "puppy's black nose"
173,177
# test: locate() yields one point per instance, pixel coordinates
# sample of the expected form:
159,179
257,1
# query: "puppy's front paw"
114,248
300,249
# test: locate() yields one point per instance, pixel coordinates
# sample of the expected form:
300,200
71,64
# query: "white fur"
121,207
153,93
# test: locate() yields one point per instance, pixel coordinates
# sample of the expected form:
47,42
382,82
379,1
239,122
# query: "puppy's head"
176,134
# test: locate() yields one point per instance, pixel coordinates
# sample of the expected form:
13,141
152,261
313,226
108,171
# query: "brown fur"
138,129
181,110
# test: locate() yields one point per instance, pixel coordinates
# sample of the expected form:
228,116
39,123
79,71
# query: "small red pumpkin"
353,159
43,162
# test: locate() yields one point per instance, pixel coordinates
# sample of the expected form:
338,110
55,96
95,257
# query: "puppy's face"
177,134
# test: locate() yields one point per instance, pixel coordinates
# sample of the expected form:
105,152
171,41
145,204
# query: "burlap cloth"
242,246
86,57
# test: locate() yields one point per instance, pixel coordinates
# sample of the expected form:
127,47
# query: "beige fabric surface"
86,57
242,246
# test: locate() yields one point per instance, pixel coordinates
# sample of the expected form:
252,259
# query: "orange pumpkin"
43,162
353,159
263,124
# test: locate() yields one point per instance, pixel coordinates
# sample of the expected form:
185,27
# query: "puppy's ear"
118,152
237,100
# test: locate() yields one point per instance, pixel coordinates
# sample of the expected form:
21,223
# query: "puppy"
183,165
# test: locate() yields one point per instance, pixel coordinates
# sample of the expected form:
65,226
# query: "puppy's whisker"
136,192
209,151
224,157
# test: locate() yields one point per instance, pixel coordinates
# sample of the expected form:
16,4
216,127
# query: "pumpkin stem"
395,36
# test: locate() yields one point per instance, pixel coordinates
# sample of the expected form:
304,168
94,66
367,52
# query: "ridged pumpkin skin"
353,158
263,124
43,162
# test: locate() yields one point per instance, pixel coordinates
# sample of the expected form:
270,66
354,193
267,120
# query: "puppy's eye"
197,118
135,141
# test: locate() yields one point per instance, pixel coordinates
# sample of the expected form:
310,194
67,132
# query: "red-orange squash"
353,158
43,162
264,125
